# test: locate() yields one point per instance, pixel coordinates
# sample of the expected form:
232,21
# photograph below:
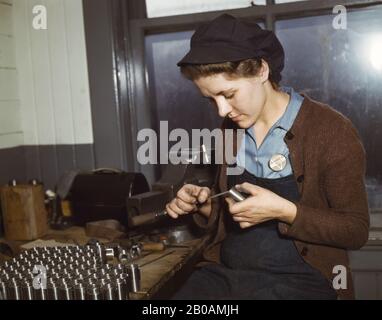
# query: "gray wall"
366,266
109,149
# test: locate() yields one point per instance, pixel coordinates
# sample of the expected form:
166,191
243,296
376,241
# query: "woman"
304,169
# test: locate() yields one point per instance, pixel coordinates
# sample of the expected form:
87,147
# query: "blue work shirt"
256,160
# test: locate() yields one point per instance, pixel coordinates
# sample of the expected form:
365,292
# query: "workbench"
162,272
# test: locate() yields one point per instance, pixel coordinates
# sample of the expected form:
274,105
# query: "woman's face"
241,99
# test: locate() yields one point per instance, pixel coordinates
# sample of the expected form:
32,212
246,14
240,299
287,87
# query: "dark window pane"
342,68
174,98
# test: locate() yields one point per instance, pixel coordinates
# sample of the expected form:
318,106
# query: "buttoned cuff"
291,229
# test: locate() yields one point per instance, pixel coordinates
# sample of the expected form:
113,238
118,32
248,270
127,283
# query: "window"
172,97
160,8
342,68
286,1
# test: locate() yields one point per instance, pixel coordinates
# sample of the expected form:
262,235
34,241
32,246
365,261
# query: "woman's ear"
264,71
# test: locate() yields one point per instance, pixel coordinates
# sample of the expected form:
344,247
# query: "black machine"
102,194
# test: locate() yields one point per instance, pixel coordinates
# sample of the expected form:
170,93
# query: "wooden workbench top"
159,267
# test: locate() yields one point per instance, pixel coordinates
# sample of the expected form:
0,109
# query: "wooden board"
165,265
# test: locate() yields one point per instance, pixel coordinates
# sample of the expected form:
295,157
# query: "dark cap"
227,38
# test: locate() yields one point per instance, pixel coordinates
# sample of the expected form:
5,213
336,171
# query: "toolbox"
102,194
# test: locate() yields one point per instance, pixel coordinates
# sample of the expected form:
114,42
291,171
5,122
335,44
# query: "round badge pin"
277,162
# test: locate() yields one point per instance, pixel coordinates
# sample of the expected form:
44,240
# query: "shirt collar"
287,119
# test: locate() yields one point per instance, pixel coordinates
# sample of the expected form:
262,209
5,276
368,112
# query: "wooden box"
24,213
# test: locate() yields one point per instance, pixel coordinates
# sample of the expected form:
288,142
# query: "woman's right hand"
190,198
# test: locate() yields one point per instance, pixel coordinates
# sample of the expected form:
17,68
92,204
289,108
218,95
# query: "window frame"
131,26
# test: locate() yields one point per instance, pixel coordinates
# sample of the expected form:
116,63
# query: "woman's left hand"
262,205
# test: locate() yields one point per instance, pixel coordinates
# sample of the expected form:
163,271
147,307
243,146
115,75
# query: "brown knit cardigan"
328,162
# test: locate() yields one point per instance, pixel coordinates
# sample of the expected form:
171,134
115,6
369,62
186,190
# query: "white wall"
52,73
10,124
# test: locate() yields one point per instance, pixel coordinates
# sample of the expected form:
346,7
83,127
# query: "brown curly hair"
245,68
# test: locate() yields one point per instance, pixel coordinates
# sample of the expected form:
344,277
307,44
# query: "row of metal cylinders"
89,276
53,266
119,290
57,256
64,270
69,250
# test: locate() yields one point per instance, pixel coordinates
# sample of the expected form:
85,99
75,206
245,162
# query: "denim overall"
258,262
